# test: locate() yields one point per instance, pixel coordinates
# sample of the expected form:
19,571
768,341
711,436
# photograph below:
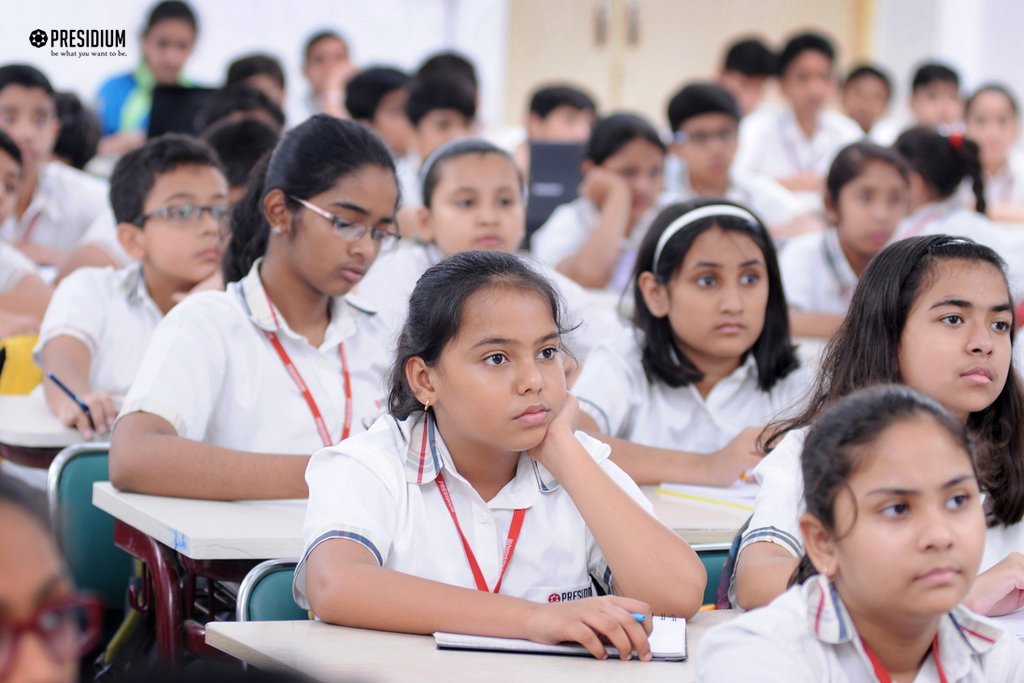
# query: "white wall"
400,32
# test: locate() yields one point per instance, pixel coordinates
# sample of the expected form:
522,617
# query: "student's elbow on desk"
762,574
130,450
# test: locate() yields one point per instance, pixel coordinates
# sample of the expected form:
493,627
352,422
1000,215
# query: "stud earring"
277,230
426,405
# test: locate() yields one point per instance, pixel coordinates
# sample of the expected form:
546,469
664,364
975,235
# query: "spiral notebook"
668,642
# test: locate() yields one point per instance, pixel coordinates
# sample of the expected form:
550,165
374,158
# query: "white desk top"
335,653
25,421
269,529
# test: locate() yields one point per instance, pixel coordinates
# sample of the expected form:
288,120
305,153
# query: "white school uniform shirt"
815,273
65,203
771,202
806,635
613,389
103,234
407,169
212,373
389,283
1006,186
14,267
570,225
111,312
378,490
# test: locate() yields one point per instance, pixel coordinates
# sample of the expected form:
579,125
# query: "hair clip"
956,140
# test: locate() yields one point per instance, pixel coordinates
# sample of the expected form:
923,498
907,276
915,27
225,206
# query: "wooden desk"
334,653
29,434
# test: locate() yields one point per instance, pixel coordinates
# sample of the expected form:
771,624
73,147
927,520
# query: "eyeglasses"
186,213
704,138
68,629
353,232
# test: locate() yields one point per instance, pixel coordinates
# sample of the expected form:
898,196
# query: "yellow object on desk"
18,372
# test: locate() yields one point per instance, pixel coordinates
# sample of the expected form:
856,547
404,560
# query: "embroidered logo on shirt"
566,596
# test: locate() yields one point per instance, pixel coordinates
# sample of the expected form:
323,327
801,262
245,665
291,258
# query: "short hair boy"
376,97
260,71
239,146
748,66
169,199
560,113
866,93
935,98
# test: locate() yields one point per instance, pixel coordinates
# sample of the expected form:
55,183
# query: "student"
748,67
79,131
237,388
45,627
237,102
866,196
558,113
239,146
23,294
376,97
704,120
794,144
327,66
933,313
124,102
891,476
683,396
453,66
170,201
935,102
480,439
440,110
992,120
260,71
594,239
866,94
55,203
473,200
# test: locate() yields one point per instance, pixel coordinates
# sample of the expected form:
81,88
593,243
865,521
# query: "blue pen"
639,617
72,395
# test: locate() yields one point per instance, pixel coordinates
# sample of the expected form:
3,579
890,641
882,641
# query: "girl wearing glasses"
237,388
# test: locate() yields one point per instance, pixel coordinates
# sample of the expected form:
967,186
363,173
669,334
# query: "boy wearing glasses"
170,199
55,203
704,119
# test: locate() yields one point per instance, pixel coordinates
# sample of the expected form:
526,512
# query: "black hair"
450,65
308,160
869,71
996,88
21,497
430,94
611,133
550,97
246,67
697,99
239,98
171,9
662,359
943,162
801,43
865,351
851,160
317,37
9,146
835,447
454,150
240,145
26,76
365,90
750,57
934,72
437,303
136,172
79,130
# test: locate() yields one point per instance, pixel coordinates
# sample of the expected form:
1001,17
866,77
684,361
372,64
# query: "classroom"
449,339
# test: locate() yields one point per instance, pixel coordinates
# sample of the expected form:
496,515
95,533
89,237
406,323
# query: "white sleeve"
78,309
798,275
102,232
592,318
561,236
780,501
181,374
14,267
746,162
347,500
609,390
772,203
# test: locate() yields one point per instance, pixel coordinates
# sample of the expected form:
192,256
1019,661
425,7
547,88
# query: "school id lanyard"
510,542
883,676
293,372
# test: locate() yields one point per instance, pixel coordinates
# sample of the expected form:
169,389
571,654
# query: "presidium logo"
87,42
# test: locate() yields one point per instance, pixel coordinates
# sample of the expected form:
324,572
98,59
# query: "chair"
266,593
84,533
714,558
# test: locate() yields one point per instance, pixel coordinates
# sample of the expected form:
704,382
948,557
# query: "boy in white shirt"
169,199
55,203
794,144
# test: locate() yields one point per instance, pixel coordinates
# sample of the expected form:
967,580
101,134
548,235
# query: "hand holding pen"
89,413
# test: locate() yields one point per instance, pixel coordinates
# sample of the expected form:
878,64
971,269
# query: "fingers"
620,629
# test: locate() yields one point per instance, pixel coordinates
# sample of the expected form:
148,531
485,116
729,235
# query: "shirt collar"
838,266
133,285
427,456
44,200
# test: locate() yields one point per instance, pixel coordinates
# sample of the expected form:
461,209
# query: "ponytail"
943,162
970,155
249,229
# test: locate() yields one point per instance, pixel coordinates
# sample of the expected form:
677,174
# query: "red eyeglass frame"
93,611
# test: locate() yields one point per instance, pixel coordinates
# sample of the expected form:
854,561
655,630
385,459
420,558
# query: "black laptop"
555,177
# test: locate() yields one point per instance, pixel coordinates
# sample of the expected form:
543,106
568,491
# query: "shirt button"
483,519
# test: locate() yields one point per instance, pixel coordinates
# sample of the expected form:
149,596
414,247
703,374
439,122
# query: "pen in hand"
73,396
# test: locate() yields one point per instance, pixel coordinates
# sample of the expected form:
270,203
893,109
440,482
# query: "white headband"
692,217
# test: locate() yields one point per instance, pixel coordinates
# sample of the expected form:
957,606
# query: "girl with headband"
684,395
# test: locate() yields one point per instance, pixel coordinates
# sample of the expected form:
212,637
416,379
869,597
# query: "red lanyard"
883,676
510,541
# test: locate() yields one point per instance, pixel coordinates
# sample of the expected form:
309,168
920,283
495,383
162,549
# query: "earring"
426,405
277,230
